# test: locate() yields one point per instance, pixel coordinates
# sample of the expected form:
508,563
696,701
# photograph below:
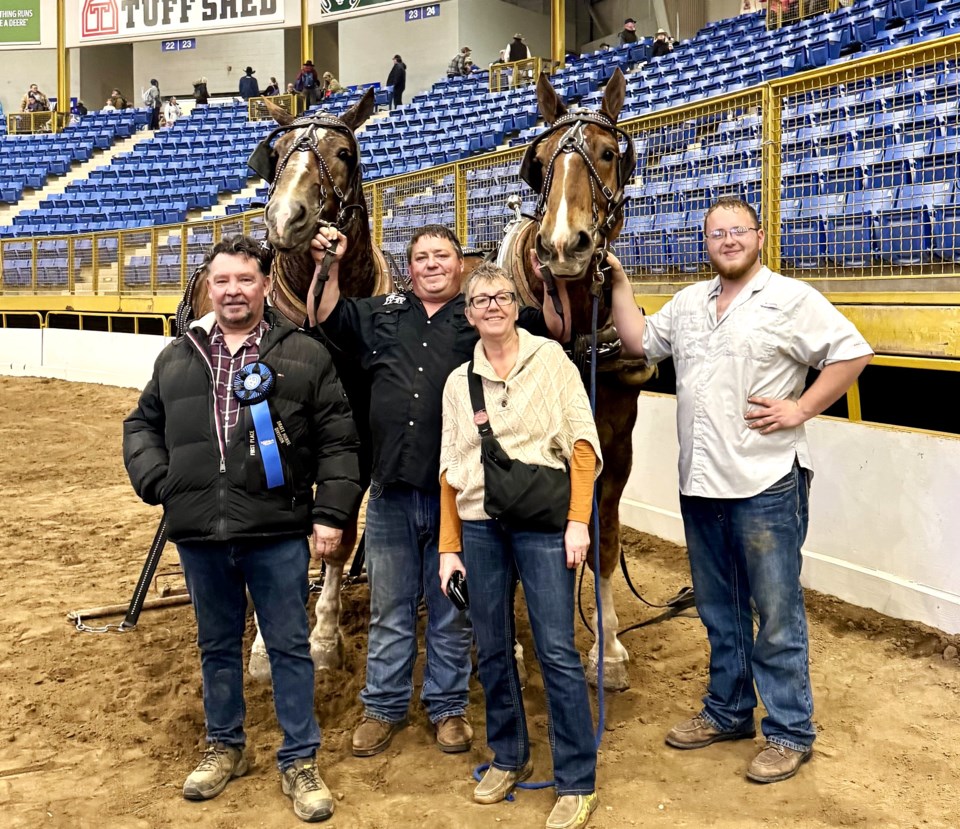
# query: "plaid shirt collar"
225,366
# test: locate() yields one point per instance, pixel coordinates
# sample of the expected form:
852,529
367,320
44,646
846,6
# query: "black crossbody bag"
522,496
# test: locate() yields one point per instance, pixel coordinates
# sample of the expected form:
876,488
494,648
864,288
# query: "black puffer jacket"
171,448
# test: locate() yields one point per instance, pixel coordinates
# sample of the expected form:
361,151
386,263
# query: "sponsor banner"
19,21
103,20
342,9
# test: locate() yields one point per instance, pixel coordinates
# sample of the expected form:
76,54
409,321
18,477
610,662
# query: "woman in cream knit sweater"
540,414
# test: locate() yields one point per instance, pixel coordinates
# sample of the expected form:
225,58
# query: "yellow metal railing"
784,12
29,123
519,72
256,111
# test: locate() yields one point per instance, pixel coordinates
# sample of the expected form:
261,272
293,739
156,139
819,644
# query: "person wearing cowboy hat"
249,88
629,33
662,44
517,49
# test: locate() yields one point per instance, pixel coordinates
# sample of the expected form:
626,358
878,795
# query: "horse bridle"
264,161
573,140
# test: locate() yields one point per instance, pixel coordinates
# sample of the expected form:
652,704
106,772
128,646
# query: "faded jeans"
218,575
749,548
494,557
403,565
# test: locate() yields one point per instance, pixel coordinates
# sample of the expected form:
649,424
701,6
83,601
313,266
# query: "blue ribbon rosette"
252,385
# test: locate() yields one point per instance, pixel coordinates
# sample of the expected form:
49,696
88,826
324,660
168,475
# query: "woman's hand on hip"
576,541
449,563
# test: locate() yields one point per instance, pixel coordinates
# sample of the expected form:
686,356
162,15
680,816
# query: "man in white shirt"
742,344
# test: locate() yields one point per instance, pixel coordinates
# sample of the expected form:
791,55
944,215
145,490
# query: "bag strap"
480,417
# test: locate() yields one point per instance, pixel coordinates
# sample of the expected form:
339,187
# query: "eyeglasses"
735,232
504,300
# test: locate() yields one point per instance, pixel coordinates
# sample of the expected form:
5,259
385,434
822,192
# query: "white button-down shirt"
772,332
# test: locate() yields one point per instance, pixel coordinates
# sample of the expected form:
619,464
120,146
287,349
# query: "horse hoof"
259,667
327,654
614,674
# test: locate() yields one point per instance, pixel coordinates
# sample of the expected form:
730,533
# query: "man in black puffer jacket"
243,416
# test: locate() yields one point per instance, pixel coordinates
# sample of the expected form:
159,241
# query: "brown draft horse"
315,176
579,168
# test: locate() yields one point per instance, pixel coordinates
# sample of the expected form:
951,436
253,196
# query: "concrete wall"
368,44
219,58
101,69
487,26
20,69
884,526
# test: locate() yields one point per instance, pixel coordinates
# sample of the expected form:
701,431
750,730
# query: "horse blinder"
263,160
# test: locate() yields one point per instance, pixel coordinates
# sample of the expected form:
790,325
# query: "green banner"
19,21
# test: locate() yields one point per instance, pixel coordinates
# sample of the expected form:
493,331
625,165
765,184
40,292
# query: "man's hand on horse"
326,542
327,238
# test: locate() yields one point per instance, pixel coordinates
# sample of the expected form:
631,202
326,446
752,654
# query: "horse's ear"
613,95
281,116
551,107
360,111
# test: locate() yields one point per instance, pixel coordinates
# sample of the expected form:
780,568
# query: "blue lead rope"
601,717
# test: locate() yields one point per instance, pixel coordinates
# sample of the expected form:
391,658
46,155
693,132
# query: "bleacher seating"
868,169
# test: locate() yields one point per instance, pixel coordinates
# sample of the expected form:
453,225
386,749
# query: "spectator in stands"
308,82
118,101
242,529
604,47
273,88
108,106
629,33
331,86
200,94
517,49
34,100
171,111
742,344
460,65
249,88
398,80
151,100
81,109
662,44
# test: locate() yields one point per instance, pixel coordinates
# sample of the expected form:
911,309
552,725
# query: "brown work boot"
776,763
311,798
572,810
697,733
373,736
220,764
498,783
454,734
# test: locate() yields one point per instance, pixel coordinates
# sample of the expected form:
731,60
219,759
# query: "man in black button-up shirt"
409,342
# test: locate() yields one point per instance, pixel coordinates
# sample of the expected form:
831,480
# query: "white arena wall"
884,524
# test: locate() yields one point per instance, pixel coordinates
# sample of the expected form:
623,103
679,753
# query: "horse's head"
579,168
313,169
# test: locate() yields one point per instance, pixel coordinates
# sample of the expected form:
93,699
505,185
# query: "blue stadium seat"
906,233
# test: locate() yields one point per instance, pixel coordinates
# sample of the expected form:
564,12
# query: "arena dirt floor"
100,730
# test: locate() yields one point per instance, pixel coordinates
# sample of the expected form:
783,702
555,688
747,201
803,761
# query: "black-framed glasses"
735,232
504,299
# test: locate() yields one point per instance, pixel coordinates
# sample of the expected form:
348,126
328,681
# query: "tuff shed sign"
132,19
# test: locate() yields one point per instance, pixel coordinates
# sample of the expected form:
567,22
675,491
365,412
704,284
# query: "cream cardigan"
537,413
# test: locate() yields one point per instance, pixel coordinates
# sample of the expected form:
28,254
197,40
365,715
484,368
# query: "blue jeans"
494,557
743,548
403,565
218,575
